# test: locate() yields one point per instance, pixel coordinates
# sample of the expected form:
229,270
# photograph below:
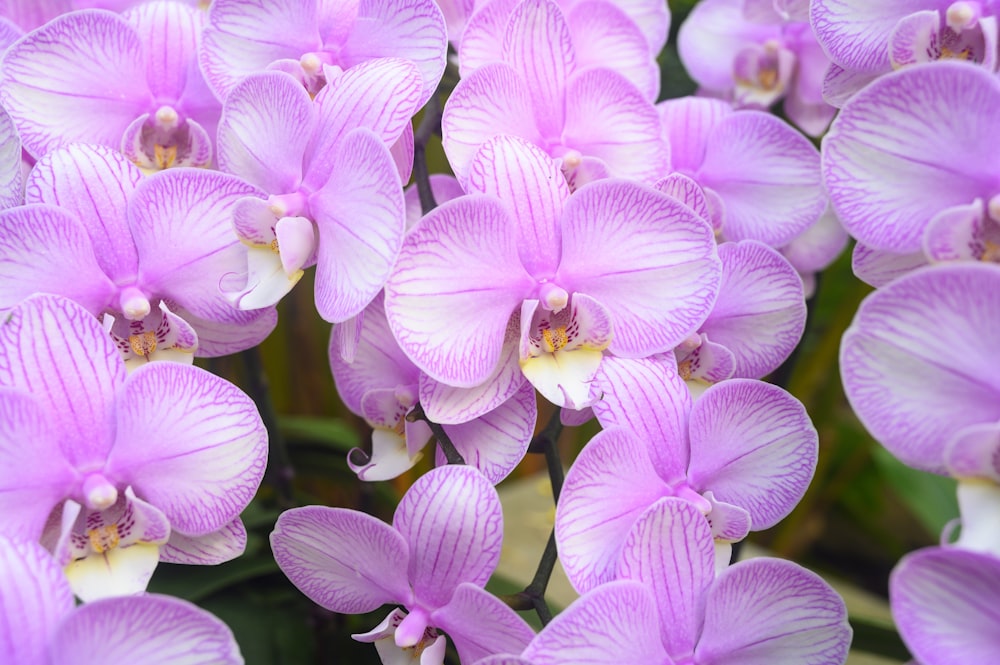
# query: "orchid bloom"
490,426
122,470
911,171
335,198
149,252
617,266
593,121
127,81
868,40
39,624
945,603
671,608
306,38
435,557
749,52
742,454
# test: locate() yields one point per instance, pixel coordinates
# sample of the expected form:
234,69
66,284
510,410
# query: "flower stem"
447,447
279,472
430,124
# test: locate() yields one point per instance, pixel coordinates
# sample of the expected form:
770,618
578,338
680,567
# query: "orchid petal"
169,34
94,183
760,313
901,136
914,360
840,84
413,30
360,218
958,233
597,99
35,599
773,612
974,452
497,441
455,286
162,630
590,530
729,523
530,185
210,549
687,125
754,446
877,268
648,397
239,332
58,87
615,623
183,234
120,571
80,376
482,40
444,187
267,125
378,361
453,525
645,257
481,624
854,32
943,601
669,549
768,176
390,457
343,560
687,191
818,246
615,41
381,95
34,474
539,47
447,405
190,443
44,249
493,100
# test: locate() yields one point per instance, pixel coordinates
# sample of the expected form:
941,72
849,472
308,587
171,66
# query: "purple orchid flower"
148,251
816,248
130,82
335,193
614,41
304,38
617,266
123,470
742,455
441,548
918,360
490,426
539,93
39,624
911,172
945,603
752,54
760,177
671,607
867,40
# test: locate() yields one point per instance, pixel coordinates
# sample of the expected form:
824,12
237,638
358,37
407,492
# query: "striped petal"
453,525
190,443
343,560
914,360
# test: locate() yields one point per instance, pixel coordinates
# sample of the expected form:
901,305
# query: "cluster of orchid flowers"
169,170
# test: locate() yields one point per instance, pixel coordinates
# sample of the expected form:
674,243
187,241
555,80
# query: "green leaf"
329,432
195,583
931,498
